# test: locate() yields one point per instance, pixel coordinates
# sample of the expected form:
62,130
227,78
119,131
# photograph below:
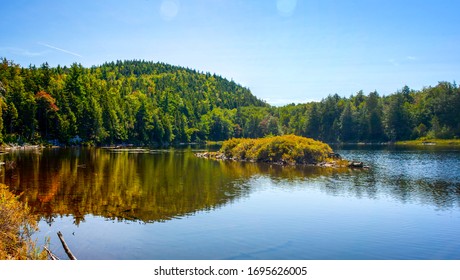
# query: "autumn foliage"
16,227
47,101
287,149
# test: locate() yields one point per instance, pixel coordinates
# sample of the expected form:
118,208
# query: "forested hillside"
131,101
147,103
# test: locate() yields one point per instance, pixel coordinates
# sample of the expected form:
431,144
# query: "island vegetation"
288,149
283,150
147,103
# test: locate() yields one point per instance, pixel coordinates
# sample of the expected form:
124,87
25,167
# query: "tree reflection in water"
163,184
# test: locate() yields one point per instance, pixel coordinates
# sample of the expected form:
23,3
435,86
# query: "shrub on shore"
16,228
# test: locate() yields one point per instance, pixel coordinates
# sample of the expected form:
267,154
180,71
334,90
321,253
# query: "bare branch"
50,254
66,248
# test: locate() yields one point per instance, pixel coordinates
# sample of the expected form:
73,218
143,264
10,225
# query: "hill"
133,101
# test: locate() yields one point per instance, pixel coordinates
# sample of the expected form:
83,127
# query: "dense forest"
146,103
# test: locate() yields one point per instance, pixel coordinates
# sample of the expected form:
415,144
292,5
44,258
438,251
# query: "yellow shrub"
290,149
16,227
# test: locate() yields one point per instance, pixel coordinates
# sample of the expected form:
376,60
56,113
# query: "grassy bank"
427,142
16,228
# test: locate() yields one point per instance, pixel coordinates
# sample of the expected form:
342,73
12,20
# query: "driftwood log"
64,245
50,254
66,248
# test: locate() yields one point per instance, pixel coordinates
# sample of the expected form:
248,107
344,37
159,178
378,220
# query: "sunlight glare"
169,9
286,7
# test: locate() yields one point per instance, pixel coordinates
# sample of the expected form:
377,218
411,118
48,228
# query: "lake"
168,204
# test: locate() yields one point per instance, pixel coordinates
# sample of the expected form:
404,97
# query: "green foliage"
347,124
138,102
397,120
148,103
431,112
218,124
288,149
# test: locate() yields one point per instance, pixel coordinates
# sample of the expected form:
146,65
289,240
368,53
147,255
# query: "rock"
356,164
335,156
202,155
331,164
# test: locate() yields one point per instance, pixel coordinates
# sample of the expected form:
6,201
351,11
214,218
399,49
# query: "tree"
46,109
313,125
269,125
397,119
2,106
374,116
347,124
330,114
218,124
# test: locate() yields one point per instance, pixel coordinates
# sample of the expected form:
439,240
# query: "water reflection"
147,187
153,186
428,175
164,184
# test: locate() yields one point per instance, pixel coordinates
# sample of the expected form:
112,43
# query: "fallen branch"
66,248
50,254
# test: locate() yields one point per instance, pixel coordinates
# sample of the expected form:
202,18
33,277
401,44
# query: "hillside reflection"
165,184
154,186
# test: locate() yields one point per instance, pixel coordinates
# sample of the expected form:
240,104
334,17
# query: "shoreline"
430,142
419,142
337,163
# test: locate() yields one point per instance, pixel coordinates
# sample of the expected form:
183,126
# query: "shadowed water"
168,204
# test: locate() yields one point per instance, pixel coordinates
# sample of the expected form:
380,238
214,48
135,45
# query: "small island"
282,150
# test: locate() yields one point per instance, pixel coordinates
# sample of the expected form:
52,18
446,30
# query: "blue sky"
283,50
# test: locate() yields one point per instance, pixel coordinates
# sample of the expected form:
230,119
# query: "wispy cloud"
59,49
393,61
411,57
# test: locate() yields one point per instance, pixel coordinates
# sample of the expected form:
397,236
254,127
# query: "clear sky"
283,50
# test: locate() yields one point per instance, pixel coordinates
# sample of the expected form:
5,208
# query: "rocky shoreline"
337,161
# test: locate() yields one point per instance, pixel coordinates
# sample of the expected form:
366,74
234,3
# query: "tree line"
147,103
405,115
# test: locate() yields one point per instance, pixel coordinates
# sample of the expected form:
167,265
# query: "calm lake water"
168,204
